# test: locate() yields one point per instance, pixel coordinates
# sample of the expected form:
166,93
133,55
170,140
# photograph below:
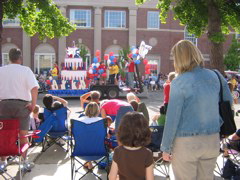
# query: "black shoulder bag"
228,127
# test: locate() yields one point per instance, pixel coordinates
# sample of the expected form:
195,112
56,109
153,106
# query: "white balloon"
90,71
108,62
97,64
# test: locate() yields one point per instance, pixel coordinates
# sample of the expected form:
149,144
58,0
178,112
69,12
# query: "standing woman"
191,132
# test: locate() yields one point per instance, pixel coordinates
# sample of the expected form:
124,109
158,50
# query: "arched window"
190,37
113,48
5,50
44,58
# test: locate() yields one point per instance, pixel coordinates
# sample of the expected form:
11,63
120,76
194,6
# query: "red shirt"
166,91
131,67
112,106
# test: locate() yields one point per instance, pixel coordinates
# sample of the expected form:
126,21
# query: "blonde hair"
131,96
186,56
171,76
92,109
36,109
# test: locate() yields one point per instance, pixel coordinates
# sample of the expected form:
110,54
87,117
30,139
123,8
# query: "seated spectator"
159,119
232,142
94,97
54,102
141,107
91,115
34,119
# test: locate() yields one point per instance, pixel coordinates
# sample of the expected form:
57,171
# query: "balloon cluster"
135,55
95,70
147,66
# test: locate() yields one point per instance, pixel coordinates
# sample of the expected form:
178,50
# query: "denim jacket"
193,106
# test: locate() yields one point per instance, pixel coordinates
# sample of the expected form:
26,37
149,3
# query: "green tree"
214,17
123,54
232,58
36,16
83,52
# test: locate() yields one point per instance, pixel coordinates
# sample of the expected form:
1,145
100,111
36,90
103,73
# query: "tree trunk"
214,26
1,30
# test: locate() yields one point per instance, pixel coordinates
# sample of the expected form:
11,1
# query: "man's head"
48,101
95,96
15,55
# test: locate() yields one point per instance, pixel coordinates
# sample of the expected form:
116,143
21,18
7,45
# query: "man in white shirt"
18,93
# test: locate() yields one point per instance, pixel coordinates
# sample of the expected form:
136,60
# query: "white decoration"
54,85
97,64
143,49
63,84
83,84
108,62
74,85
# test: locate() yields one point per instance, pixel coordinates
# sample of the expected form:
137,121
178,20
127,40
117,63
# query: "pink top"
112,106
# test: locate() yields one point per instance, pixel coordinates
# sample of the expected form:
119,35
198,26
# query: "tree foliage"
232,58
38,16
214,17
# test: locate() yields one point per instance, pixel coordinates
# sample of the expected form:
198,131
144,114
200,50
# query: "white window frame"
88,19
16,22
190,37
107,21
237,36
148,20
37,60
3,62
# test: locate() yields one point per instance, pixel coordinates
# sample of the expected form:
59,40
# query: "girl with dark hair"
131,159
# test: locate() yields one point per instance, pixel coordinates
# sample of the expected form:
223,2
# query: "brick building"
106,25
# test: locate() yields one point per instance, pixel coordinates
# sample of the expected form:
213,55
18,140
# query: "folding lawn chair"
156,139
54,128
88,144
10,143
226,164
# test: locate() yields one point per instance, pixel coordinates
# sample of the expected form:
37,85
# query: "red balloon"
111,53
130,55
91,76
148,66
98,53
99,59
148,71
115,60
145,61
105,57
104,75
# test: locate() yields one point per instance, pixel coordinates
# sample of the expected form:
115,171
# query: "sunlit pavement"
56,164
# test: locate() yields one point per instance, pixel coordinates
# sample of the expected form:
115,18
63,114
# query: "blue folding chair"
54,128
88,144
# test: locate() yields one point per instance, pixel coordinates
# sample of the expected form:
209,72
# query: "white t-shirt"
88,120
16,82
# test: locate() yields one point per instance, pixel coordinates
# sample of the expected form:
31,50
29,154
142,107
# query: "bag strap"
221,89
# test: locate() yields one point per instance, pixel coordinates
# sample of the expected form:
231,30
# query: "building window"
153,21
5,59
43,63
238,36
11,22
190,37
115,19
80,17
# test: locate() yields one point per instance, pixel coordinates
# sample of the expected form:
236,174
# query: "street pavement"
55,163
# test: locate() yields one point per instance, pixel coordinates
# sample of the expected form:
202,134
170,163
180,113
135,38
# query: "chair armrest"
33,134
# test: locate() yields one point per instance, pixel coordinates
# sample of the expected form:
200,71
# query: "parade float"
73,79
76,78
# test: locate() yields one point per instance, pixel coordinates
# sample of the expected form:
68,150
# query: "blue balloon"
94,71
132,48
94,67
95,59
111,58
101,71
112,63
137,62
135,55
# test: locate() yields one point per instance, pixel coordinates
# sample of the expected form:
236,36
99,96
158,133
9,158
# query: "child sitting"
34,120
159,119
131,159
